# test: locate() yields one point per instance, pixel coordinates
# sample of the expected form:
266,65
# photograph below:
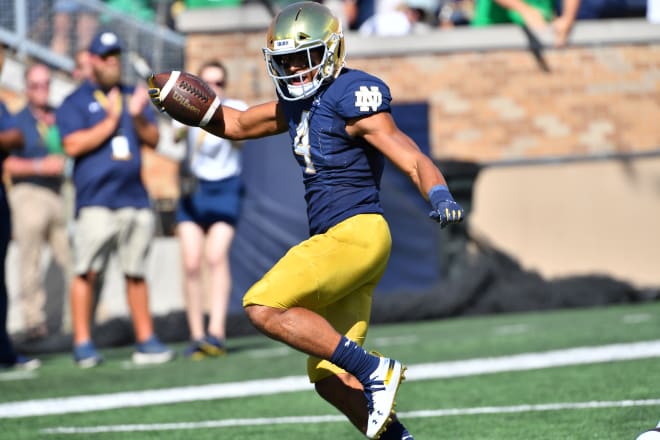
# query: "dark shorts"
211,202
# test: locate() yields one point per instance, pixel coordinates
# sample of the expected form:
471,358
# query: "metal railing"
53,31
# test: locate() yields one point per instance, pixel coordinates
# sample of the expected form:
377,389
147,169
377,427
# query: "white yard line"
531,361
527,361
338,418
17,375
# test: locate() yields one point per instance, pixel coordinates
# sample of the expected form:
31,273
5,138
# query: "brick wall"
494,104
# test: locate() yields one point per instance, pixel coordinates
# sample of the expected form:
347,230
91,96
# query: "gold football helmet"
309,30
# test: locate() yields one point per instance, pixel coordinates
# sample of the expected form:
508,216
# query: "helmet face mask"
305,48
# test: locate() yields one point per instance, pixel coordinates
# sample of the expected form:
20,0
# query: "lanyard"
120,146
50,137
102,99
42,128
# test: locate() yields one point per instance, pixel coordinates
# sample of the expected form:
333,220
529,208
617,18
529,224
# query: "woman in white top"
206,216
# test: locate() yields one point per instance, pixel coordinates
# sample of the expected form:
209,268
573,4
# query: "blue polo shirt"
35,147
108,176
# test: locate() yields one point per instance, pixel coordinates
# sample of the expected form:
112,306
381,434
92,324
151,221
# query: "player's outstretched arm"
255,122
188,99
381,131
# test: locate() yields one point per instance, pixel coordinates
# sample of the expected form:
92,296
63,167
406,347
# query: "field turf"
258,391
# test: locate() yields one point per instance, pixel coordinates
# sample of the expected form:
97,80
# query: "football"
186,97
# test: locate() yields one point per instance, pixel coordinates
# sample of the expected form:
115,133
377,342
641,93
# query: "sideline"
340,418
438,370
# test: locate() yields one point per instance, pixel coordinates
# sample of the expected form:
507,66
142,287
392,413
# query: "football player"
317,298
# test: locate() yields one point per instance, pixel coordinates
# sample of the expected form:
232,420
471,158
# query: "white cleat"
381,394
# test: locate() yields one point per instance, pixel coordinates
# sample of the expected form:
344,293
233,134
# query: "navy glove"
445,210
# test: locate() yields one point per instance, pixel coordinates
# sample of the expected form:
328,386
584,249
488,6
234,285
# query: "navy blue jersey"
108,176
341,174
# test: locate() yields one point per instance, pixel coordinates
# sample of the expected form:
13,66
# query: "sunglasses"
111,54
220,83
38,85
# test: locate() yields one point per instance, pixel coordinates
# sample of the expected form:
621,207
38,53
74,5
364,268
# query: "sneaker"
194,351
209,346
152,351
653,434
86,356
27,364
213,346
21,363
381,392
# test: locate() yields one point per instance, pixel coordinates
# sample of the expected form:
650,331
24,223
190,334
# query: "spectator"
103,125
455,13
407,17
356,12
10,139
604,9
37,206
538,15
36,14
206,218
139,9
653,11
83,67
65,13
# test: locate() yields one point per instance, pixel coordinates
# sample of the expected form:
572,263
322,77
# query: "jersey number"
301,142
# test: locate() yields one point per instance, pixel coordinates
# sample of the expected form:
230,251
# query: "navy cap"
105,43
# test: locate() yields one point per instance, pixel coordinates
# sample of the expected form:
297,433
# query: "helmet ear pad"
335,46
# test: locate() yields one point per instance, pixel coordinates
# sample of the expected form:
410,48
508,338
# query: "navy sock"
354,359
396,431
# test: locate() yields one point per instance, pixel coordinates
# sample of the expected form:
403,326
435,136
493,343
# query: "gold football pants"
333,274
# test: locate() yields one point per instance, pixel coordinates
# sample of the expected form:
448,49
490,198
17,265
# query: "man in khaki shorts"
103,124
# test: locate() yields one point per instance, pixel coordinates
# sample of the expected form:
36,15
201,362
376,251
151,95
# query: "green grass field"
608,398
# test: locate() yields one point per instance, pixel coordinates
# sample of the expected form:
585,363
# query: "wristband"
439,193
